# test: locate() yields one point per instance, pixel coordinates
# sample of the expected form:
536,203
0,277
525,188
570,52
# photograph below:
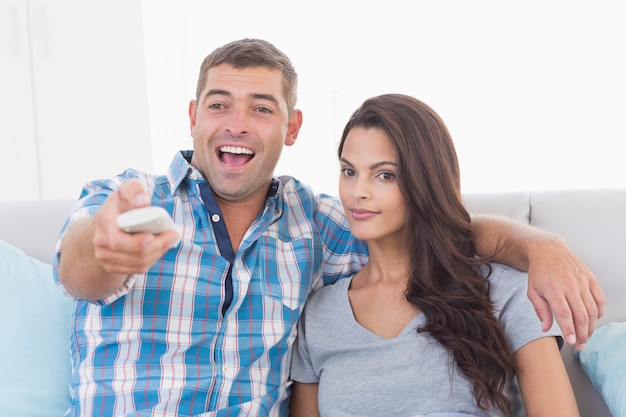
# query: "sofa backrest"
34,226
592,221
594,225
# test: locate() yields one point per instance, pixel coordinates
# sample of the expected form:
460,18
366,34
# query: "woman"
426,327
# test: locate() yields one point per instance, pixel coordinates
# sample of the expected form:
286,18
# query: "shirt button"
225,369
215,218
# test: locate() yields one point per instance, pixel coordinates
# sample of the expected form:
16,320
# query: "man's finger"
581,321
561,311
133,194
586,317
542,308
599,298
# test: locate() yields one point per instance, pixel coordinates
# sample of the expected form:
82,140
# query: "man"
200,320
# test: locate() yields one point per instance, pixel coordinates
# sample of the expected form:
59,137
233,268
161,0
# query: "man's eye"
216,106
263,110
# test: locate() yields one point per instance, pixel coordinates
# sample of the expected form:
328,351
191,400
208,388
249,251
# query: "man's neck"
239,215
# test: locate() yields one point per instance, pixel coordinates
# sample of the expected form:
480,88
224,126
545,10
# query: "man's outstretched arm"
97,256
559,281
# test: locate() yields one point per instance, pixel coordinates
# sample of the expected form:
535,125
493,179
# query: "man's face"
239,126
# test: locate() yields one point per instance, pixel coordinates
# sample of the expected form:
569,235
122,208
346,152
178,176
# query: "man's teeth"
236,149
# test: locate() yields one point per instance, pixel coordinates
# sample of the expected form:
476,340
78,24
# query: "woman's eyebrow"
373,166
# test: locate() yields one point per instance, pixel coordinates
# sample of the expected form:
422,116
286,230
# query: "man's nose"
237,122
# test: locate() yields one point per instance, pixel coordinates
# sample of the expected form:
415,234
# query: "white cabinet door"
90,91
74,99
19,162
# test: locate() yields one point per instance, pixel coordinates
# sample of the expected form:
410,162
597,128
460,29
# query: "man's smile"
235,156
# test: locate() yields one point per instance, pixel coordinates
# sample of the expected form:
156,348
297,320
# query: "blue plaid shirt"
162,346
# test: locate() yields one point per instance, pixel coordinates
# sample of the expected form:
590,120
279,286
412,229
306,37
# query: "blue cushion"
34,334
604,362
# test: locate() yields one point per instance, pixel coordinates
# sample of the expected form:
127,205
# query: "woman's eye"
347,172
387,176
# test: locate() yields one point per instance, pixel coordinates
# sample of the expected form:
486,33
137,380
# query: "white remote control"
152,219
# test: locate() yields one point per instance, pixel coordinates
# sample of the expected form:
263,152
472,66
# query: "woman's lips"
361,214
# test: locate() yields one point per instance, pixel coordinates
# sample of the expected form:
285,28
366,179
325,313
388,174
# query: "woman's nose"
360,190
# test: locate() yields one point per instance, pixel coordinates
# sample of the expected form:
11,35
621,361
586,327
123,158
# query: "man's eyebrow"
268,97
256,96
216,92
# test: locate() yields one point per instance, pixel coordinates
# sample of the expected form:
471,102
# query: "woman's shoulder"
328,296
331,291
507,285
508,288
504,277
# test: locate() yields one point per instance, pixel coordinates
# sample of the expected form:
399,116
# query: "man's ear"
192,113
293,128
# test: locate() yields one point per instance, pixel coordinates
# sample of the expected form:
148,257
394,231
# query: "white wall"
533,92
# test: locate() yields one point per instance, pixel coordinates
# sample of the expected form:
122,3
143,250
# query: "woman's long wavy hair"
445,282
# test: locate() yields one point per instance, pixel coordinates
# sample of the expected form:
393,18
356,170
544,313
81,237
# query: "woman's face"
368,185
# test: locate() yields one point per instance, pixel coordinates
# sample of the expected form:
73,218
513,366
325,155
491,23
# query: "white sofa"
34,319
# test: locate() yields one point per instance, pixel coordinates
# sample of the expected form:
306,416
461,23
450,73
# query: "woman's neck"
377,293
388,262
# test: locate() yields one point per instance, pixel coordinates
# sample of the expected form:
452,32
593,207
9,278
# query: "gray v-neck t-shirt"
362,374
